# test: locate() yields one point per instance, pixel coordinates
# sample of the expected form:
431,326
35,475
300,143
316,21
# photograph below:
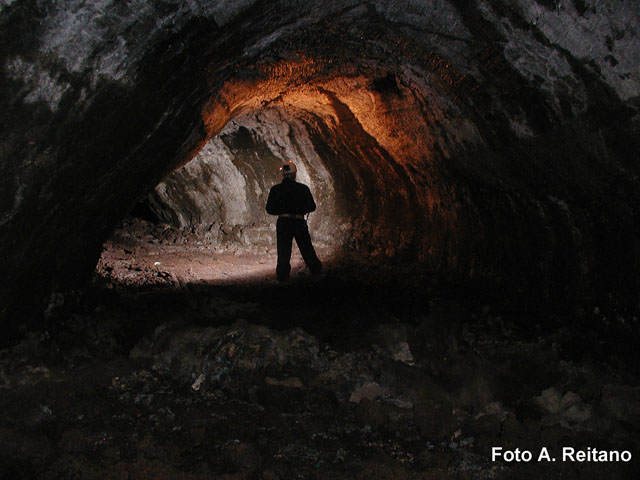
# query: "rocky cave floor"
185,361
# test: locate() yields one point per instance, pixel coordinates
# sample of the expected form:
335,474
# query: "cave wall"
510,126
224,188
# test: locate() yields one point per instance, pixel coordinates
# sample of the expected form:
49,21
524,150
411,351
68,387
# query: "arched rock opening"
489,143
478,137
367,196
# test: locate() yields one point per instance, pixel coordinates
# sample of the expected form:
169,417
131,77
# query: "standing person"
291,200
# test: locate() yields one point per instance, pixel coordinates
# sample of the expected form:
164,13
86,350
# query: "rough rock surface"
505,133
215,381
472,160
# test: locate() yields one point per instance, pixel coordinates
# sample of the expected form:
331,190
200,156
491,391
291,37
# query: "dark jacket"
290,197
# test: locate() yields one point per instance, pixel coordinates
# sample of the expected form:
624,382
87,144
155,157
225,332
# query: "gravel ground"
185,361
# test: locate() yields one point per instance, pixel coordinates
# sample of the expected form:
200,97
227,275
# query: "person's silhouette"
291,200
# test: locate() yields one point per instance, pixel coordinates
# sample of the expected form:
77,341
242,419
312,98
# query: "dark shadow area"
474,165
371,363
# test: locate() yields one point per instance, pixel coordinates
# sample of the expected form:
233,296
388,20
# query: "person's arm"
273,202
310,204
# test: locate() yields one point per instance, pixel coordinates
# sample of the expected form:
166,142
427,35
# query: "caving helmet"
288,169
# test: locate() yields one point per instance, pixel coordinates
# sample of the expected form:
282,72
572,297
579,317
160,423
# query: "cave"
475,169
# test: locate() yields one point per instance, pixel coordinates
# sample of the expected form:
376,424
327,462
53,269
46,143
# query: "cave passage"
427,139
368,205
475,166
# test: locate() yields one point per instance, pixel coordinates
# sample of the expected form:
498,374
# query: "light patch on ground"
175,265
39,85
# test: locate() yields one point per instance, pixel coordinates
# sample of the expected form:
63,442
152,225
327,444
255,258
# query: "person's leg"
303,240
284,235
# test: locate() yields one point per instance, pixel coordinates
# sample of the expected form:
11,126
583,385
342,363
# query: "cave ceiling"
484,138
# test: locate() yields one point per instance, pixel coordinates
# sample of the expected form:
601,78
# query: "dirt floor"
185,361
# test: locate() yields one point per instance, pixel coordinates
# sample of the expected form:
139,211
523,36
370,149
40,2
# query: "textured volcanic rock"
155,391
495,141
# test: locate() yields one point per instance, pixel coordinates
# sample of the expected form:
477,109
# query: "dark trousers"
286,230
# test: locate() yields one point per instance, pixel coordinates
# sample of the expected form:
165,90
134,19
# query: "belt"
291,215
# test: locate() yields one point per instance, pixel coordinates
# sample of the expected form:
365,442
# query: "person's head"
288,170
